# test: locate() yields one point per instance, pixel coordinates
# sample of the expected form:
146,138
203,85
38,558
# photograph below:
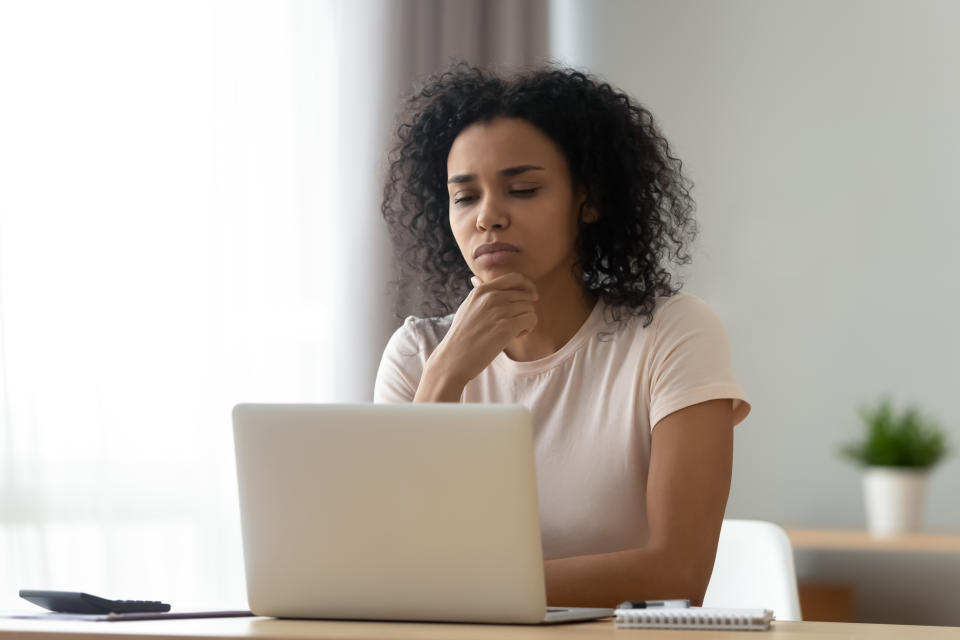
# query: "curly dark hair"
613,148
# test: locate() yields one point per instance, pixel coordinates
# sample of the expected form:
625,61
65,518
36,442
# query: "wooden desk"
835,600
271,629
862,541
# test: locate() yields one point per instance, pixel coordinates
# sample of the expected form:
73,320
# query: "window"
165,170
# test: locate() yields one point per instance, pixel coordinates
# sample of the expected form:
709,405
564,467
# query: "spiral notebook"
694,618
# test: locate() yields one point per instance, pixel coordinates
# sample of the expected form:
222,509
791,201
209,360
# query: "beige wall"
824,141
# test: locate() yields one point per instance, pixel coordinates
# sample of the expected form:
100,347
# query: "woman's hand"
492,314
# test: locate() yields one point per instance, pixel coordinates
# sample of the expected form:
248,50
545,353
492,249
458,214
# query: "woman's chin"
489,273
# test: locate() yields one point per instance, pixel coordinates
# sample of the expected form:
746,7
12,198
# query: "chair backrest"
754,570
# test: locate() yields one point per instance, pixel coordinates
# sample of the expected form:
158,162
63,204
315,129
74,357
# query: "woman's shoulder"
669,310
406,355
422,333
682,305
684,315
681,300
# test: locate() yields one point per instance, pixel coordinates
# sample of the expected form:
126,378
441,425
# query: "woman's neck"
562,308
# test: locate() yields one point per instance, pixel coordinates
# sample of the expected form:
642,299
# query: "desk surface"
269,628
828,540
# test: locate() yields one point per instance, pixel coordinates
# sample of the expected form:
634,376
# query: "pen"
654,604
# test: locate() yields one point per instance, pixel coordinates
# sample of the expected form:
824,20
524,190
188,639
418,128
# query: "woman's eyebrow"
509,171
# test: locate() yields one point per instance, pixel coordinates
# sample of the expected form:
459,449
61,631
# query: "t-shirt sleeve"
691,360
400,367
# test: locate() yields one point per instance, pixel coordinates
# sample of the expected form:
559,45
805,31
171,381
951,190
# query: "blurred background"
189,218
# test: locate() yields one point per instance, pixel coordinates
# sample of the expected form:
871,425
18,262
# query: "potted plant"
897,454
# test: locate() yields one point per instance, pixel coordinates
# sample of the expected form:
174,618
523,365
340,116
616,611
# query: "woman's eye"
523,193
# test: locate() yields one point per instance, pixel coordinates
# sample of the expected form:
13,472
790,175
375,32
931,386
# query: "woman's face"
509,183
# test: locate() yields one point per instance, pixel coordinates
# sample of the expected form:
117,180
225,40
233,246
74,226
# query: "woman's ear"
587,213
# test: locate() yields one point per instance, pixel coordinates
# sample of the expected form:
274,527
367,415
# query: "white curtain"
189,218
164,171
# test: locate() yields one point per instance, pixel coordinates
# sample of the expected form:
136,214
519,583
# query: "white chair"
754,570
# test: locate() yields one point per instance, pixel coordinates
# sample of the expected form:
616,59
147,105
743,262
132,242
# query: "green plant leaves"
905,440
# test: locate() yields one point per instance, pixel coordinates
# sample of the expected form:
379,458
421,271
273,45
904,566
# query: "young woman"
540,212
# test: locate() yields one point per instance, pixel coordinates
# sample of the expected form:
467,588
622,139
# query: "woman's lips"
492,247
494,253
492,258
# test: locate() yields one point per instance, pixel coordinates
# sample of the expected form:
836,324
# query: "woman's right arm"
492,314
439,383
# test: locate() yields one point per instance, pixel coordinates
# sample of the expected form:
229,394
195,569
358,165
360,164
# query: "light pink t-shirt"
594,404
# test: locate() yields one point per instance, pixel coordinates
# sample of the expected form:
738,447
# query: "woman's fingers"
527,320
509,281
512,295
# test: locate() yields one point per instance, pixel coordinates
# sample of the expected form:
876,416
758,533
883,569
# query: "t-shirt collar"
590,326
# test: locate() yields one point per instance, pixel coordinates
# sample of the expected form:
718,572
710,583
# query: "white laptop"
422,512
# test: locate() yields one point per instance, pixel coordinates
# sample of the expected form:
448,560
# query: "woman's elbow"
698,581
679,574
690,576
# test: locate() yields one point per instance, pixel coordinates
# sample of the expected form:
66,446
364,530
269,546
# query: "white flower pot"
894,499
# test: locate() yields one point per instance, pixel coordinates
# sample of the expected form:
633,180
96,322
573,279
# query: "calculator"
77,602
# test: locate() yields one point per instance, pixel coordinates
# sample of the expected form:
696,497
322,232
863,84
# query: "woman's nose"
491,215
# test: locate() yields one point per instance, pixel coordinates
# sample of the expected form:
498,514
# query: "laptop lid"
390,512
